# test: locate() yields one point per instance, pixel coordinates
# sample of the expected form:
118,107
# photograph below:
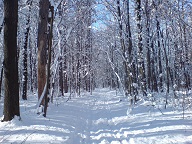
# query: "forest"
139,49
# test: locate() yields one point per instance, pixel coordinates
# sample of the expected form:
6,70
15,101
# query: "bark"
78,56
131,63
186,72
141,67
65,82
1,79
25,71
166,63
42,45
125,64
78,78
60,59
49,60
159,57
88,49
11,98
153,71
149,76
61,75
31,65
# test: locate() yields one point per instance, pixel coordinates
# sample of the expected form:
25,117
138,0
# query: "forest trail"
101,118
90,112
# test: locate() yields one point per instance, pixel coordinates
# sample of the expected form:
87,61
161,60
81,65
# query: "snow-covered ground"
103,117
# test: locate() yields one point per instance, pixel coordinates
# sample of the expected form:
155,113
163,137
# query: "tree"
61,83
131,63
159,51
25,72
1,79
11,98
49,57
141,66
42,45
127,70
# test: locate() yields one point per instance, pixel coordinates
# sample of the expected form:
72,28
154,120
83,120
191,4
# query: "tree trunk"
186,73
11,98
141,67
31,65
1,79
159,57
131,63
166,62
42,45
153,71
65,85
49,60
25,72
149,76
127,82
61,75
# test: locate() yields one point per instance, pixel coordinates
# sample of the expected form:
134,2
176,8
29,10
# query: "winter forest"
96,71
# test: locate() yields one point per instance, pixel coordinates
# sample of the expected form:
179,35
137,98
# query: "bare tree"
141,66
11,99
25,54
42,45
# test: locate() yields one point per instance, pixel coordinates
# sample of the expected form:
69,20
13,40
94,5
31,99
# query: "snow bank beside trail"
97,119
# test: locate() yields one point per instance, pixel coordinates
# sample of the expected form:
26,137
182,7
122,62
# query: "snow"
100,118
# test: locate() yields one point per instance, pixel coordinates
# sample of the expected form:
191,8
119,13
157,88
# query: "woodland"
140,48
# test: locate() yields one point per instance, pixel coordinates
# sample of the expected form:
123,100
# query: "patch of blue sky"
101,17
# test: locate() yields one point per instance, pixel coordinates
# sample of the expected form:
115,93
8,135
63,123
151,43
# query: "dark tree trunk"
153,71
131,63
88,49
34,76
160,75
34,65
49,60
61,75
159,56
141,67
186,72
42,45
1,79
149,76
31,65
127,81
78,78
25,72
65,85
77,62
166,62
65,80
11,98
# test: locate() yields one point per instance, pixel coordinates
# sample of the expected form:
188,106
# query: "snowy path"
100,118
